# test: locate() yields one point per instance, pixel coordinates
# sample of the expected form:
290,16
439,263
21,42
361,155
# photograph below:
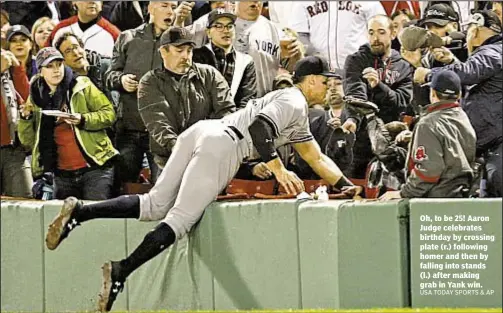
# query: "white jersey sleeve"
373,8
288,114
299,21
198,29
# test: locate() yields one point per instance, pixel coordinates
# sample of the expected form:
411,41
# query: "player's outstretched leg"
74,212
115,273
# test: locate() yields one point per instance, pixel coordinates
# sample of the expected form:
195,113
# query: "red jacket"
391,6
22,86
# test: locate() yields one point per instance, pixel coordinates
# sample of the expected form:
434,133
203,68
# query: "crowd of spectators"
123,80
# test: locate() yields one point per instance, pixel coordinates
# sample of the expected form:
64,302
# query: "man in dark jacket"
135,53
482,74
27,12
237,68
378,74
180,94
129,14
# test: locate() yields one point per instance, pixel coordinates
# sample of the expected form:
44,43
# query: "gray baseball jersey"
208,154
261,40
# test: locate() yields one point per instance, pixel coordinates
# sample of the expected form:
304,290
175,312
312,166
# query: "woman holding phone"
64,123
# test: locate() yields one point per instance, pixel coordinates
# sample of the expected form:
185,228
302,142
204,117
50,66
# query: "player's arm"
263,133
322,165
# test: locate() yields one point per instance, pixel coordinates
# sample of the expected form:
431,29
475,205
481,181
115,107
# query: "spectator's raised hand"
443,55
7,59
129,82
182,12
420,75
371,75
261,171
334,122
349,126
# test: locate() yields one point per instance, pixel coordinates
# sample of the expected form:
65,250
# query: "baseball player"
205,159
333,29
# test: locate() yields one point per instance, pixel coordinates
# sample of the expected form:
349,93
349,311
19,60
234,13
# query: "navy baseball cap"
446,82
313,65
47,55
214,15
485,18
177,36
16,30
439,14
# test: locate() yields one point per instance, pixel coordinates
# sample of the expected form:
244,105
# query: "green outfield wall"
274,254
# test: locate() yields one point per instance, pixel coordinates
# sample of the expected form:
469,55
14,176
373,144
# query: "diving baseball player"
204,160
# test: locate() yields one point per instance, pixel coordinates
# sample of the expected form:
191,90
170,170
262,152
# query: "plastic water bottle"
321,193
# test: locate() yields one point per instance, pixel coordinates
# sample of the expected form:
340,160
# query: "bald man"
376,73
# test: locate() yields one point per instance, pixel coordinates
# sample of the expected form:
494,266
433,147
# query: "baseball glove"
412,38
433,41
361,106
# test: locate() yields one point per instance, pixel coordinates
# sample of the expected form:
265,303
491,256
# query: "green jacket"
98,114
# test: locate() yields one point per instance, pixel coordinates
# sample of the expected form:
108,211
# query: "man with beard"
135,53
378,74
96,32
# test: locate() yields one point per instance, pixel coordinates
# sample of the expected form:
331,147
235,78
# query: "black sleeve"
354,84
262,135
248,88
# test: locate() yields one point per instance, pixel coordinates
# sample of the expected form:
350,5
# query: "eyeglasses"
72,49
220,27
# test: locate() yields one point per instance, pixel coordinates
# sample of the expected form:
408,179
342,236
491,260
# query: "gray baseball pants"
203,162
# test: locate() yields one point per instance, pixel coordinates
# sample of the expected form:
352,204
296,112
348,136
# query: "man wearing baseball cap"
443,21
237,68
206,158
483,76
443,146
173,98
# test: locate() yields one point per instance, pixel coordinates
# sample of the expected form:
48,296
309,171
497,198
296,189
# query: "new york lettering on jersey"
267,47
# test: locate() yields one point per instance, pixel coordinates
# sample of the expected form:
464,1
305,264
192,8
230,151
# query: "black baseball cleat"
63,223
111,287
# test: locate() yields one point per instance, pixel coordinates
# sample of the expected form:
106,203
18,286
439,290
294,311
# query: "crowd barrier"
257,254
